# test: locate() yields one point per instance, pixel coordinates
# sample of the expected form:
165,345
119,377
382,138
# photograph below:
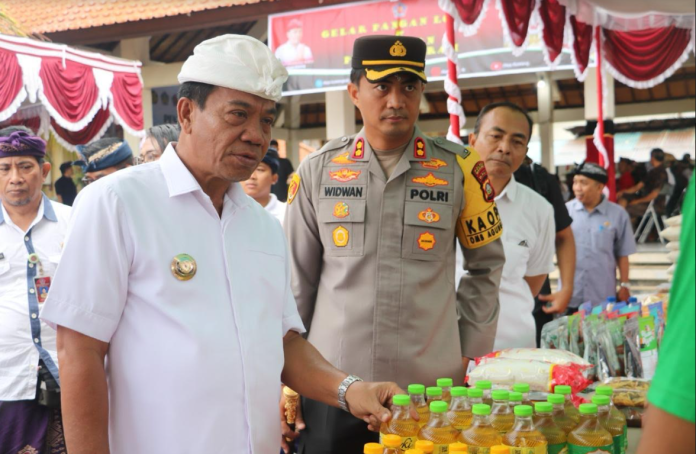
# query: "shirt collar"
45,210
601,208
181,181
510,190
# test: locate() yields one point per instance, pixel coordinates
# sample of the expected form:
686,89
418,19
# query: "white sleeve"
89,289
541,256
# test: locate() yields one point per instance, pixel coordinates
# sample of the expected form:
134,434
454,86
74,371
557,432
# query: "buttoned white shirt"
276,208
529,233
193,366
24,339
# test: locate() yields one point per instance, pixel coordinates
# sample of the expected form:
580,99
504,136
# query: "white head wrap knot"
237,62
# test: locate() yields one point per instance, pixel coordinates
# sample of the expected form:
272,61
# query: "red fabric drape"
469,10
85,135
11,77
582,42
553,16
127,99
646,54
71,91
517,14
33,123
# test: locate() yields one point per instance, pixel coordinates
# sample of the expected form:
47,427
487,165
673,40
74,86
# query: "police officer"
371,223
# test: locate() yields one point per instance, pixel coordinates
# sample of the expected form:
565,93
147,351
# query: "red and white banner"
83,92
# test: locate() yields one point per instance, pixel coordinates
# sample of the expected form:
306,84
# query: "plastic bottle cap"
425,446
414,451
543,407
484,384
500,449
373,448
521,387
562,389
500,394
392,441
458,391
475,392
632,299
516,397
433,391
523,410
401,400
458,447
604,391
556,399
445,382
588,409
611,299
600,400
438,406
481,409
416,389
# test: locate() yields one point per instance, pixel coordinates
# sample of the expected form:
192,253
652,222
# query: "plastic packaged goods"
555,436
446,384
560,417
373,448
541,376
560,357
481,436
439,430
401,423
417,394
554,334
590,436
607,360
615,427
459,413
502,416
524,438
632,361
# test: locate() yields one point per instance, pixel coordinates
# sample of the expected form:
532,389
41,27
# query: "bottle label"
441,449
560,448
620,444
574,449
475,450
408,443
625,440
536,450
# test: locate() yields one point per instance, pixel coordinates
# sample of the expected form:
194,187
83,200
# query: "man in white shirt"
32,230
175,336
258,186
501,136
293,52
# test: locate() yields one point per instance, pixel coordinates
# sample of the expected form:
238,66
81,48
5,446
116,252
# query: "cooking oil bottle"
481,436
459,411
446,384
515,399
590,436
502,416
392,444
524,438
433,394
475,396
401,423
613,426
555,436
417,394
524,389
615,413
571,411
485,386
439,430
559,415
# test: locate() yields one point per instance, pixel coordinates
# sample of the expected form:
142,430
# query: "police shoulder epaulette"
450,146
335,144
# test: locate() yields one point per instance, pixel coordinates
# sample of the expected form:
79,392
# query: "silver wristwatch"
343,389
625,285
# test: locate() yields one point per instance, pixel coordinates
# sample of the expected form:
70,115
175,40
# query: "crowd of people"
179,300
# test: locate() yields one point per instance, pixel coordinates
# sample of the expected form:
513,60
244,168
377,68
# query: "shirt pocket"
427,231
4,266
342,227
603,238
516,259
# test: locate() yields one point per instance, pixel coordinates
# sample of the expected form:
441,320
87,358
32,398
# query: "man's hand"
559,302
288,433
624,294
367,401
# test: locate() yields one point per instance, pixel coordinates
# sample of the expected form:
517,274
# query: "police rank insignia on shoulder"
343,159
419,149
479,223
293,187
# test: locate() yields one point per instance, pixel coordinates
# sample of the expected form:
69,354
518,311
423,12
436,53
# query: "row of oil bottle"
482,420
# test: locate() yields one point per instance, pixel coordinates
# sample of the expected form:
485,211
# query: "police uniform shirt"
193,365
24,339
373,258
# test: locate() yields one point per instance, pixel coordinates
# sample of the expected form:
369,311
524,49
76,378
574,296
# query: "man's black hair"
65,166
507,105
657,154
196,91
